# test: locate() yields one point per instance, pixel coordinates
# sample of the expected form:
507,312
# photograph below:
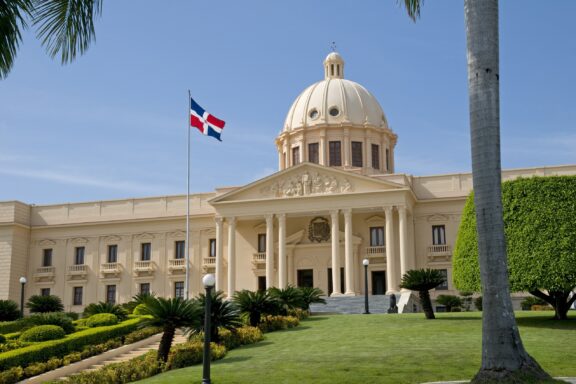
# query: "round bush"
43,333
139,310
101,319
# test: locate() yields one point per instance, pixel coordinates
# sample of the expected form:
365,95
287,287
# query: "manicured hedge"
11,326
101,319
43,333
191,353
58,348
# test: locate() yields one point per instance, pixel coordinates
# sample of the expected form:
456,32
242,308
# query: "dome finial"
333,64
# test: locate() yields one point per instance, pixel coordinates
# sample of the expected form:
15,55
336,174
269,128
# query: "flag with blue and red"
206,123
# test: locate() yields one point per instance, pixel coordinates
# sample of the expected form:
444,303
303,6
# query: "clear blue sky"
113,123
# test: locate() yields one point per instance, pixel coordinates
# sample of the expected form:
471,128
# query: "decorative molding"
260,226
319,230
177,234
376,219
438,217
79,240
145,236
306,184
112,239
46,243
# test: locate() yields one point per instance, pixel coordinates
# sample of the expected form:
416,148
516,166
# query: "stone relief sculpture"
306,184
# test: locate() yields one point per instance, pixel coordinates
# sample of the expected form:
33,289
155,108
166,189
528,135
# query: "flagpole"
187,251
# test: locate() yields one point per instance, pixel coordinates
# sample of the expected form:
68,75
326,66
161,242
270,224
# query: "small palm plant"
423,280
224,314
9,310
103,307
311,295
288,298
170,314
137,299
43,304
255,304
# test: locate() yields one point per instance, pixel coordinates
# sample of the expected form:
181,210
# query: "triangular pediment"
306,180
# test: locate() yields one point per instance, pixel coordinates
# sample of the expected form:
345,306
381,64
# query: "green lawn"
382,349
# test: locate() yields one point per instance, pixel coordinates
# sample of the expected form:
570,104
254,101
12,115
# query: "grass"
382,349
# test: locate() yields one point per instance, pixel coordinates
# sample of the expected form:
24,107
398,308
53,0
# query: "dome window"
313,114
334,111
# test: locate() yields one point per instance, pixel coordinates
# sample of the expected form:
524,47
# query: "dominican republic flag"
206,123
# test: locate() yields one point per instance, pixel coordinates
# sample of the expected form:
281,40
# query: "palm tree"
137,299
503,354
423,280
170,314
65,27
255,304
311,295
42,304
223,314
102,307
288,298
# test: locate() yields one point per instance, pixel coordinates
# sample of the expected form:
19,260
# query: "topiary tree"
102,307
449,301
422,281
255,304
9,310
43,304
540,232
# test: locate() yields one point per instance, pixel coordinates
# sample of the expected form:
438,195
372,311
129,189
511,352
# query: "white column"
403,227
269,251
219,225
231,256
391,277
281,251
348,252
347,150
335,254
323,157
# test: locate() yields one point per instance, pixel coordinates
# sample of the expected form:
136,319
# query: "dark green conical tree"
422,281
170,314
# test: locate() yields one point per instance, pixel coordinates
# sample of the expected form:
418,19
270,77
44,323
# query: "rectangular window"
111,294
47,258
444,285
180,249
357,154
113,253
295,155
438,235
387,159
45,292
375,156
146,251
376,236
77,299
79,255
313,154
261,242
212,248
335,154
179,289
145,288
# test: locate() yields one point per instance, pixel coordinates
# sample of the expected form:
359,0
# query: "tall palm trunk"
166,342
426,304
503,355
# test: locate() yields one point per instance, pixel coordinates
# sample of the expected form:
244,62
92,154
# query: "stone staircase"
353,304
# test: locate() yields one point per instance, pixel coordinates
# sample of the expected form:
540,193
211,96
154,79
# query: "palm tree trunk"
166,343
426,304
503,354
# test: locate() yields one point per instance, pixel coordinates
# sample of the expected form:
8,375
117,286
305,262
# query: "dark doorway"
378,282
331,283
261,283
306,278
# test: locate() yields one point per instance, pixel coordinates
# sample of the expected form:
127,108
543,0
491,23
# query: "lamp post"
365,262
209,281
22,283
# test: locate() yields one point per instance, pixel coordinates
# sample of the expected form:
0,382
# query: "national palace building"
335,201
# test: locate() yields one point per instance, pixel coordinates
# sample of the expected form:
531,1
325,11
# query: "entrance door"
261,283
306,278
378,282
330,283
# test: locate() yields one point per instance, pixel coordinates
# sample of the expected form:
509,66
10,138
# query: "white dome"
335,101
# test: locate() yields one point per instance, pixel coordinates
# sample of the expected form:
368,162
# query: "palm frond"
421,279
413,8
175,312
66,27
12,22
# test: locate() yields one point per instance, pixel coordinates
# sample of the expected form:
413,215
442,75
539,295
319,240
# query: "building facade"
335,201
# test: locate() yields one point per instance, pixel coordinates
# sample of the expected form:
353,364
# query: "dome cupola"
337,122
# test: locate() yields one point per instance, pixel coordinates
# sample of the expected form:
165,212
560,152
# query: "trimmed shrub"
530,301
276,323
449,301
72,343
478,303
43,333
71,358
73,315
8,311
139,310
53,318
2,339
187,354
12,336
249,335
228,338
12,375
11,326
101,319
141,334
43,304
102,307
299,313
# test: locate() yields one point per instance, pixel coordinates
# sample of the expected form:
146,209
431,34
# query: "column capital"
401,209
388,210
231,220
281,216
218,219
334,213
347,212
269,217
